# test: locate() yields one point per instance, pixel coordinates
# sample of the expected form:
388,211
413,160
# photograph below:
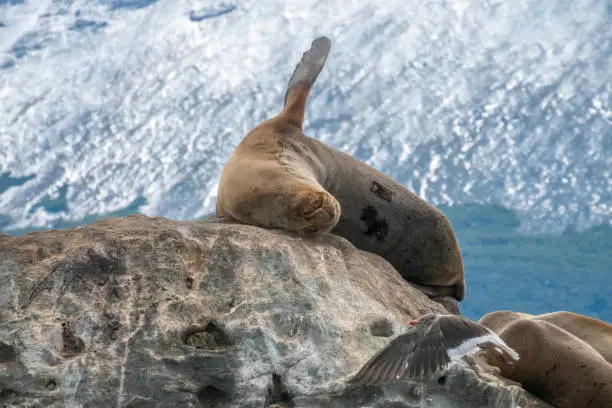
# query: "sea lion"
597,333
555,365
501,318
277,177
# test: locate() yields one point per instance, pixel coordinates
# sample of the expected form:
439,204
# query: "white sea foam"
467,101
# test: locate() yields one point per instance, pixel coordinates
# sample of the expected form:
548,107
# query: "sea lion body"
501,318
381,216
280,178
595,332
555,365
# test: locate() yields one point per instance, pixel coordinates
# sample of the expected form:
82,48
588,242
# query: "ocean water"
535,274
498,112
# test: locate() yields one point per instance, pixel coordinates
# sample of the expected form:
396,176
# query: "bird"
428,346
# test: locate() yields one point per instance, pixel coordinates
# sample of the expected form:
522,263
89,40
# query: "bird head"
425,319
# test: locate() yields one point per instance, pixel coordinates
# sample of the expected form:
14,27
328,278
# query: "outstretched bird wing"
421,351
461,336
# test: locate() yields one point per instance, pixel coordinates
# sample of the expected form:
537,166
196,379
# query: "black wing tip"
379,369
369,378
358,380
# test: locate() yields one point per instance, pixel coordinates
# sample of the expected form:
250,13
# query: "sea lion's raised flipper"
303,78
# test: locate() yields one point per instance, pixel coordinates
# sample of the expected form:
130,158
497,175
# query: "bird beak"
413,323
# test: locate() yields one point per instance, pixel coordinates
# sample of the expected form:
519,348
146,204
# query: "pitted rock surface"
149,312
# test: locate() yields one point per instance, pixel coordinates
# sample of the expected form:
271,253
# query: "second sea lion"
597,333
554,364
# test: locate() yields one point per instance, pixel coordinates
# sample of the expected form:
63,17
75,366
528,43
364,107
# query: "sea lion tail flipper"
304,76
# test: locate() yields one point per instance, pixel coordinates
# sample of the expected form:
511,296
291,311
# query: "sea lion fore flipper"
302,79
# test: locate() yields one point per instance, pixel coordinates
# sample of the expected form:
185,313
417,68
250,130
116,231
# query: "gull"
427,346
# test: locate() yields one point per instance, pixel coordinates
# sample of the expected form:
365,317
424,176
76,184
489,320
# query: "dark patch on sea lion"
381,191
374,226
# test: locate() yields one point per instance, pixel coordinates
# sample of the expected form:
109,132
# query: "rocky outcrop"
149,312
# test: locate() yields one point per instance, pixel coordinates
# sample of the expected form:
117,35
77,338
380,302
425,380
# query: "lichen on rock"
149,312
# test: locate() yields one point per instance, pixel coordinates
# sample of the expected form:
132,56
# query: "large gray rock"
149,312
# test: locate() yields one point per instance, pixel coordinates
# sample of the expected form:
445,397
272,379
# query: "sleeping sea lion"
277,177
555,365
597,333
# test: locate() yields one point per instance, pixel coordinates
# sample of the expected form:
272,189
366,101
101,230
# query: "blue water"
531,274
60,204
7,181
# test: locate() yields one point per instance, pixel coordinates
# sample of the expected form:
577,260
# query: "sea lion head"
432,257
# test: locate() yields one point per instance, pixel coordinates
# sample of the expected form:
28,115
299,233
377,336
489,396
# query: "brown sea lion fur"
597,333
501,318
555,365
280,178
